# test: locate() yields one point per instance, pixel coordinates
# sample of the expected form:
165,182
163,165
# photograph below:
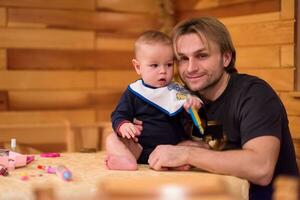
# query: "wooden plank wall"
263,34
67,60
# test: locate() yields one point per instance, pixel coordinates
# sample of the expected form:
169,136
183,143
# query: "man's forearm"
255,165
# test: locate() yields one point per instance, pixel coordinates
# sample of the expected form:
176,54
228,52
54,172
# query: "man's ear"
136,65
226,59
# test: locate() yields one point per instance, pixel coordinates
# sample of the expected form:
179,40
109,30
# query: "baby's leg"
121,153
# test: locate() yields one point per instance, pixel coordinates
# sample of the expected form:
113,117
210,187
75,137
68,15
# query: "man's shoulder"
246,81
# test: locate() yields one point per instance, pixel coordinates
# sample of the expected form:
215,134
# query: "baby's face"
156,64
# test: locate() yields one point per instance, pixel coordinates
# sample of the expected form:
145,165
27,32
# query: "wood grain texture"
92,20
287,9
117,79
269,33
3,18
48,39
131,6
255,7
3,59
295,126
202,4
292,104
78,116
253,18
24,80
280,79
42,59
57,4
287,56
65,99
116,42
258,56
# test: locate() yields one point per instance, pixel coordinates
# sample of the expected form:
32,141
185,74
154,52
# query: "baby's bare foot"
114,162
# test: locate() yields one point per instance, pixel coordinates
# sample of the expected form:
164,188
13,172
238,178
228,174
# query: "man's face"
200,63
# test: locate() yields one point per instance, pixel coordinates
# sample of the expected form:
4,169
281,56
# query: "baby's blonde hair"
152,37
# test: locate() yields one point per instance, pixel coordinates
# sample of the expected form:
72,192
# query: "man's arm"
255,162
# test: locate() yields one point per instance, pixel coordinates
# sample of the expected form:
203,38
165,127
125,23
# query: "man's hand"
165,156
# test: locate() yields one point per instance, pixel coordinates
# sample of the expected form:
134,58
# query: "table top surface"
88,171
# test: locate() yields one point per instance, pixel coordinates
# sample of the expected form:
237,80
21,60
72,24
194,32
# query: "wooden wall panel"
115,42
34,135
3,18
203,4
101,21
117,80
287,56
68,59
287,9
252,56
80,116
292,104
280,79
3,60
58,4
188,5
42,38
278,32
294,126
22,80
103,114
247,8
65,99
254,18
133,6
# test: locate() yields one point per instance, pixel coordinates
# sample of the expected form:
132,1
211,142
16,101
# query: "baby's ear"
136,66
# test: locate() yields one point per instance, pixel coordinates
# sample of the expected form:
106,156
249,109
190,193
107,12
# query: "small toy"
50,155
24,176
61,171
12,160
64,173
3,171
48,169
196,119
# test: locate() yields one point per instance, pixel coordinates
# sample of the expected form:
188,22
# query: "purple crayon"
64,173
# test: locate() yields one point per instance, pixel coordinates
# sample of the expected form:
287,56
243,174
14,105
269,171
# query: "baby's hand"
128,130
192,101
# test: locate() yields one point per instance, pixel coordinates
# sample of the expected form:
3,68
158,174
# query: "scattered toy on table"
48,169
24,176
50,155
3,170
12,160
64,173
61,171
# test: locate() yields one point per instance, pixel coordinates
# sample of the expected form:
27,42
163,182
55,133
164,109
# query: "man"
258,145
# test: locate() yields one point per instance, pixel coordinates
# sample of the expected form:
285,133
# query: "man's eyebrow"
194,53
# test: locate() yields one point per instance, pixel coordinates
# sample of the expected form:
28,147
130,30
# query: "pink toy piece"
11,159
30,159
50,155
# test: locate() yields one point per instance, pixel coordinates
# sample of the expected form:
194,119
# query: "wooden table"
89,173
